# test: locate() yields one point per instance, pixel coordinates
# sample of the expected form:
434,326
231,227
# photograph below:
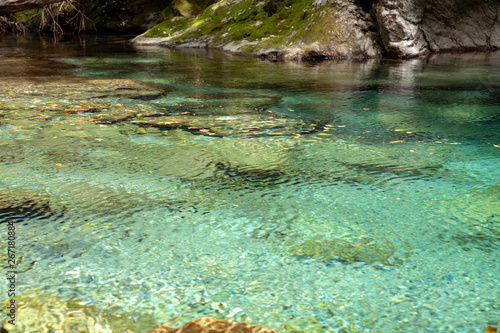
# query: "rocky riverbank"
334,29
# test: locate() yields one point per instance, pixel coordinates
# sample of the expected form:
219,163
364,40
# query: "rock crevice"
415,27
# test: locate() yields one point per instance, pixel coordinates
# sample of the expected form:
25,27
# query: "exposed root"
57,19
78,21
11,24
50,20
67,14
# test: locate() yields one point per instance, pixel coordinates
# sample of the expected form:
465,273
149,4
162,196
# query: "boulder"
400,29
275,29
80,88
417,27
211,325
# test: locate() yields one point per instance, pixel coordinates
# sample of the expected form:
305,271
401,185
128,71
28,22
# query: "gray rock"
399,23
416,27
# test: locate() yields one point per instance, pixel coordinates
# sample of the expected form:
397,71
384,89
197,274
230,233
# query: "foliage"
94,15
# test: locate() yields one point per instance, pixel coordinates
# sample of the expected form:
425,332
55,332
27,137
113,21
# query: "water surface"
328,197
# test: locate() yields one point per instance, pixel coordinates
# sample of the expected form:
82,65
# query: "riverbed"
150,184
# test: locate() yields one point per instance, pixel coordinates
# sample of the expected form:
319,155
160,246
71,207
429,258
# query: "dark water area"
149,184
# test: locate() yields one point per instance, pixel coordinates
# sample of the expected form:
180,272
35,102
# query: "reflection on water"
151,184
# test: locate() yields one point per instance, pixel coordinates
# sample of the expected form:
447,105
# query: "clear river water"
149,184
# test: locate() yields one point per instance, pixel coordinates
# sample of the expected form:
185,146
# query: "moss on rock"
276,28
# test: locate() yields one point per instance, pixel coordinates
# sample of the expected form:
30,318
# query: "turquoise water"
328,197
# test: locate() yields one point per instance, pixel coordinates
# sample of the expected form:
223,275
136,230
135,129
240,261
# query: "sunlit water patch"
148,185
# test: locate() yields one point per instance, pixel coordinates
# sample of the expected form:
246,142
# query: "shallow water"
329,197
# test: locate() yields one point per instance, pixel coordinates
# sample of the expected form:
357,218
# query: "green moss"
167,13
184,8
167,28
29,17
189,8
261,25
234,22
26,15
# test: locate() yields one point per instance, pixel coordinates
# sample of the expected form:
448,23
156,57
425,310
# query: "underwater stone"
366,162
24,202
60,87
252,154
114,117
46,313
348,250
140,130
211,325
244,125
479,215
177,160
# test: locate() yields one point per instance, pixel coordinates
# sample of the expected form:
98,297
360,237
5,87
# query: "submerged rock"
46,313
81,88
242,125
22,202
367,163
478,214
178,160
111,118
211,325
14,67
252,154
140,130
223,103
348,250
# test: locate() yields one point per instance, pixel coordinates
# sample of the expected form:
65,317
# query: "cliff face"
416,27
306,29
